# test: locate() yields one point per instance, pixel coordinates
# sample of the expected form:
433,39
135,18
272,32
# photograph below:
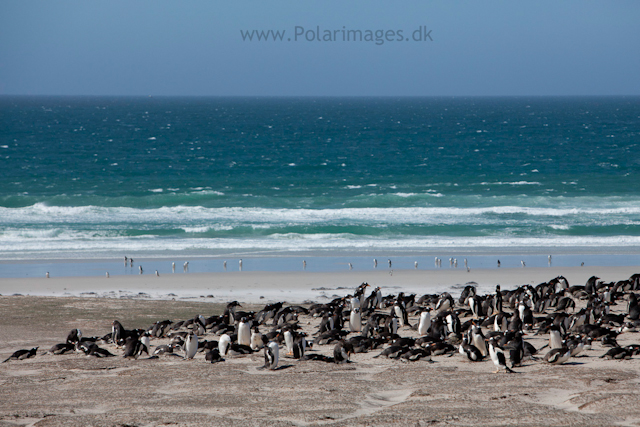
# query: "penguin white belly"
425,323
355,321
191,346
244,333
274,355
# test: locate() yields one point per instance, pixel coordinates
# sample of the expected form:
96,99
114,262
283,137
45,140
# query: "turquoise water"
99,178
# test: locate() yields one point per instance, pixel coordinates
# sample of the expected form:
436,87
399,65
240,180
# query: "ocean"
99,178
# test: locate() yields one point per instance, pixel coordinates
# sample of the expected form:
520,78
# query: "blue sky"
157,47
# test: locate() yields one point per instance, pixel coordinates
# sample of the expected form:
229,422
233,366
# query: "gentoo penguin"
185,267
304,264
191,346
224,264
134,348
497,356
213,356
107,274
399,310
453,323
342,351
288,341
117,332
47,274
557,356
140,269
240,265
355,320
497,301
22,354
475,304
425,322
157,274
256,339
271,354
62,348
415,264
145,339
74,336
555,339
389,263
478,340
444,303
471,351
244,332
173,267
375,263
223,344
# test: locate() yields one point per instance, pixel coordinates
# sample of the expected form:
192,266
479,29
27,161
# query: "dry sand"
77,390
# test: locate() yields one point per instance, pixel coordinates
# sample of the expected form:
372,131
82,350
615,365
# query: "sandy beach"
74,389
297,287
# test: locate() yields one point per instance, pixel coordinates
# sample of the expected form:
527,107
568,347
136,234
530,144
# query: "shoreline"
261,287
315,263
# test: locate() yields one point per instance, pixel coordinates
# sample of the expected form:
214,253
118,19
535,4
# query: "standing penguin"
271,353
355,320
425,322
498,299
497,356
478,340
191,346
244,332
256,339
399,310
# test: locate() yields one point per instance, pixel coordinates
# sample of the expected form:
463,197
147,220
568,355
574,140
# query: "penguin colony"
404,327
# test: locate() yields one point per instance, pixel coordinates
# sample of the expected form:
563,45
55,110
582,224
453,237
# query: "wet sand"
75,390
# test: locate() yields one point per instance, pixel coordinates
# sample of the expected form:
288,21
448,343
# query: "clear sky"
158,47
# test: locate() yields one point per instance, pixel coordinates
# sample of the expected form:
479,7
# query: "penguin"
471,351
191,346
497,301
22,354
478,340
240,265
140,269
145,339
516,350
213,356
74,336
557,356
475,304
271,354
399,310
173,267
375,263
288,341
62,348
223,344
342,351
133,348
425,322
244,332
555,339
256,340
355,320
453,323
497,356
299,346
